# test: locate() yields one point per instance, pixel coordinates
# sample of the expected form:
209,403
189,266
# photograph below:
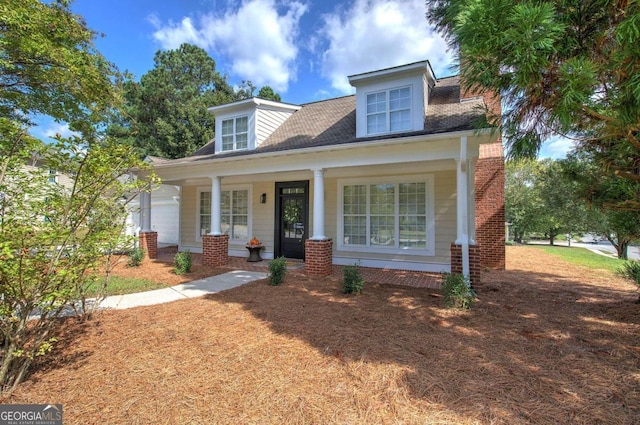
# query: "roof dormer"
245,124
392,100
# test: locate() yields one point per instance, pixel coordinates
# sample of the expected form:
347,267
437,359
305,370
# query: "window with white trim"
235,133
391,216
234,213
389,111
204,213
53,176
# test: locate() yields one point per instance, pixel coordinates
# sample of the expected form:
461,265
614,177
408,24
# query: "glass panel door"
292,218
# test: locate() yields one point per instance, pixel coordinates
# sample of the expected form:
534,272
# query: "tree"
50,66
166,112
602,190
266,92
563,210
539,197
54,239
523,205
562,67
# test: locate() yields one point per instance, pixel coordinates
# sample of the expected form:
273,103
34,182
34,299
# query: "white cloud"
258,39
556,147
172,35
58,129
376,34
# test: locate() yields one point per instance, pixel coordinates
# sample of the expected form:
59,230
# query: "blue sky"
303,49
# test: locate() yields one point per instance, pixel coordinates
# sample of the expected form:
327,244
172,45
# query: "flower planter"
254,253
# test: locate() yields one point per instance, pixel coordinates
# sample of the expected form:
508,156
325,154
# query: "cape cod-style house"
396,176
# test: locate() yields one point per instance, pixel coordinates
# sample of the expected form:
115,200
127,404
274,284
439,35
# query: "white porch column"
318,205
462,198
216,195
145,210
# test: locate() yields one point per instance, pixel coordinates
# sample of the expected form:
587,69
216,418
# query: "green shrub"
456,291
136,256
277,270
631,270
182,262
353,281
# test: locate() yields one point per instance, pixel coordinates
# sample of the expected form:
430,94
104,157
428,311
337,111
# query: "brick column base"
149,242
474,262
318,257
215,250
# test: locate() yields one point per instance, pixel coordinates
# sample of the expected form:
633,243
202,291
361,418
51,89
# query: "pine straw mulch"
161,269
546,343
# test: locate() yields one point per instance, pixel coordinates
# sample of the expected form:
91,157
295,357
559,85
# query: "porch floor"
296,267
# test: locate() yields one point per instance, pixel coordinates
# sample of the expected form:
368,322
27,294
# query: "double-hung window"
389,111
204,213
387,216
235,133
234,213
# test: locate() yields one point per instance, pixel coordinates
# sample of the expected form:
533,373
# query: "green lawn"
125,285
583,257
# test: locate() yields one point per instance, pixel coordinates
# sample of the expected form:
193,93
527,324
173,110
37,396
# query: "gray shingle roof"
333,122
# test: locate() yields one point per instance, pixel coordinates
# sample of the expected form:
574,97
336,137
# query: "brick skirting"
318,257
215,250
149,242
474,262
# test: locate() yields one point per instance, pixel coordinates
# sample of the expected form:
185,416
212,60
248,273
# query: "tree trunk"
622,250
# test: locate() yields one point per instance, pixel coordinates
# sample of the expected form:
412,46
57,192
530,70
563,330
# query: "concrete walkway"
194,289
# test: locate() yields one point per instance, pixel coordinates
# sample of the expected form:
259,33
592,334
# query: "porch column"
216,195
148,239
318,257
215,245
462,197
318,205
145,211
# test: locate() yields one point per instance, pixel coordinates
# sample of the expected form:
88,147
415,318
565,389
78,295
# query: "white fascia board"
416,68
250,103
376,152
340,147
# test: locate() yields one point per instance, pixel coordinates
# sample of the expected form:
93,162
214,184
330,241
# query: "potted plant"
254,246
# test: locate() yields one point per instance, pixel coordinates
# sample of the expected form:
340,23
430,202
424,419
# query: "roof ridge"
328,100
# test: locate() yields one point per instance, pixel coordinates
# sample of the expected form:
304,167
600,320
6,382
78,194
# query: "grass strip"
582,257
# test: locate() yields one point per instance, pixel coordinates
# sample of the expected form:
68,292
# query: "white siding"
267,122
188,218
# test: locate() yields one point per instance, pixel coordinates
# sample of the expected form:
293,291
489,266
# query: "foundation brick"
318,257
149,242
475,266
215,250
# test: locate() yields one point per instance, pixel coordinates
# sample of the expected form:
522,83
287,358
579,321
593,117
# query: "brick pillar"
318,257
215,250
490,214
149,242
474,261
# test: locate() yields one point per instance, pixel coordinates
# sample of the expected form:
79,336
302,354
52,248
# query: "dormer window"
392,100
389,111
235,134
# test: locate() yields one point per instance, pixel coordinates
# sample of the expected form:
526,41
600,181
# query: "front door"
292,218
